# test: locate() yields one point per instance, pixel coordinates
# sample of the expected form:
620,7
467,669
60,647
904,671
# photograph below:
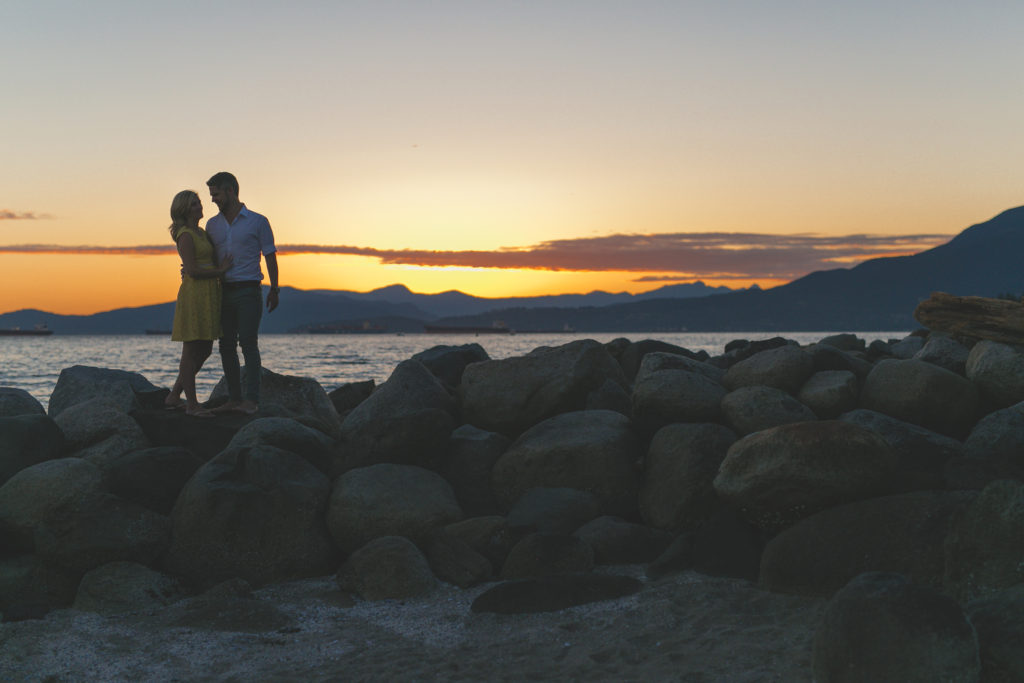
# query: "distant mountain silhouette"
877,295
395,307
880,294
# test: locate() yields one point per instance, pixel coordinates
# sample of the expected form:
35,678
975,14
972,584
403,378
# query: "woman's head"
181,209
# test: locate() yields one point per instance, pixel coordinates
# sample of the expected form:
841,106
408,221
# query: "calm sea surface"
34,363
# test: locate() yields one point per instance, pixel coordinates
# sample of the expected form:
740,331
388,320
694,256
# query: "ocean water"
34,363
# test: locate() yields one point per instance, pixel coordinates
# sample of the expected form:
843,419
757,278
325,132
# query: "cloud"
8,215
687,255
715,255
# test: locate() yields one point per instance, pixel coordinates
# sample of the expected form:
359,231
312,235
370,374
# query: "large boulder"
786,473
30,587
671,388
513,394
316,447
204,437
998,370
467,465
681,463
922,452
389,567
255,513
98,430
753,408
447,363
997,442
999,620
455,561
407,420
546,555
42,494
984,552
489,536
119,587
616,541
151,477
830,393
826,357
881,627
590,450
901,533
552,511
389,500
300,398
81,383
26,440
634,352
923,394
944,351
346,397
100,529
786,368
14,401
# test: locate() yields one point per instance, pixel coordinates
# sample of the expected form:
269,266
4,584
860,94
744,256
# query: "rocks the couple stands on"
999,620
944,351
677,494
447,363
300,398
589,450
26,440
753,408
830,393
389,567
552,511
996,444
314,446
922,394
407,420
780,475
513,394
60,510
15,401
467,464
786,368
151,477
616,541
901,533
998,370
99,430
632,355
882,627
671,388
389,500
254,512
984,551
922,452
81,383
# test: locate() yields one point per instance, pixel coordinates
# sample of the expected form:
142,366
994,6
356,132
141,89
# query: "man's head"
223,190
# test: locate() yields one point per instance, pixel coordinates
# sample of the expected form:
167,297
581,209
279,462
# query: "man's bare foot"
229,407
247,408
199,411
174,404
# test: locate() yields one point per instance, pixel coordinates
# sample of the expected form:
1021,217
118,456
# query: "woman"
197,312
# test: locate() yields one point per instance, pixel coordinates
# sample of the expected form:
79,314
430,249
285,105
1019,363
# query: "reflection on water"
34,363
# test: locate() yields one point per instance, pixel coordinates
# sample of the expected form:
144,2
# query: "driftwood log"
979,317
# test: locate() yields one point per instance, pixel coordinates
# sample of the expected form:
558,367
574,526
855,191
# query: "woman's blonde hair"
179,211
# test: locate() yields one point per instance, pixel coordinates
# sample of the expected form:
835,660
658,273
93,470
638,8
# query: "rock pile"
888,477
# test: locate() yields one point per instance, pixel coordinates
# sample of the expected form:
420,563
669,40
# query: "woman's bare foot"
174,404
247,408
229,407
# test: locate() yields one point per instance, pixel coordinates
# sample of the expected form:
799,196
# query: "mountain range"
879,294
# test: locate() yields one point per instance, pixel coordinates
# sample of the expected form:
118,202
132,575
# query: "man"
244,235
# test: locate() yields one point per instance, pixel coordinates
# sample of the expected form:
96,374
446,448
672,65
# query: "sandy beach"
684,627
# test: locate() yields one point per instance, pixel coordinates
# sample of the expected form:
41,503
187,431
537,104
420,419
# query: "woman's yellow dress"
197,312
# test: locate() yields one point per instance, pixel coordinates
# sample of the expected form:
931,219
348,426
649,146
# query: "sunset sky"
502,148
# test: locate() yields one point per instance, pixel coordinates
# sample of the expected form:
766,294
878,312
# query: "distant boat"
38,331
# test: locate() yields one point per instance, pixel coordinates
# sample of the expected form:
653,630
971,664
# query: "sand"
684,627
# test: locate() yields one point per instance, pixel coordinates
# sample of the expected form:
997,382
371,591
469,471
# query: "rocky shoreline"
866,500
